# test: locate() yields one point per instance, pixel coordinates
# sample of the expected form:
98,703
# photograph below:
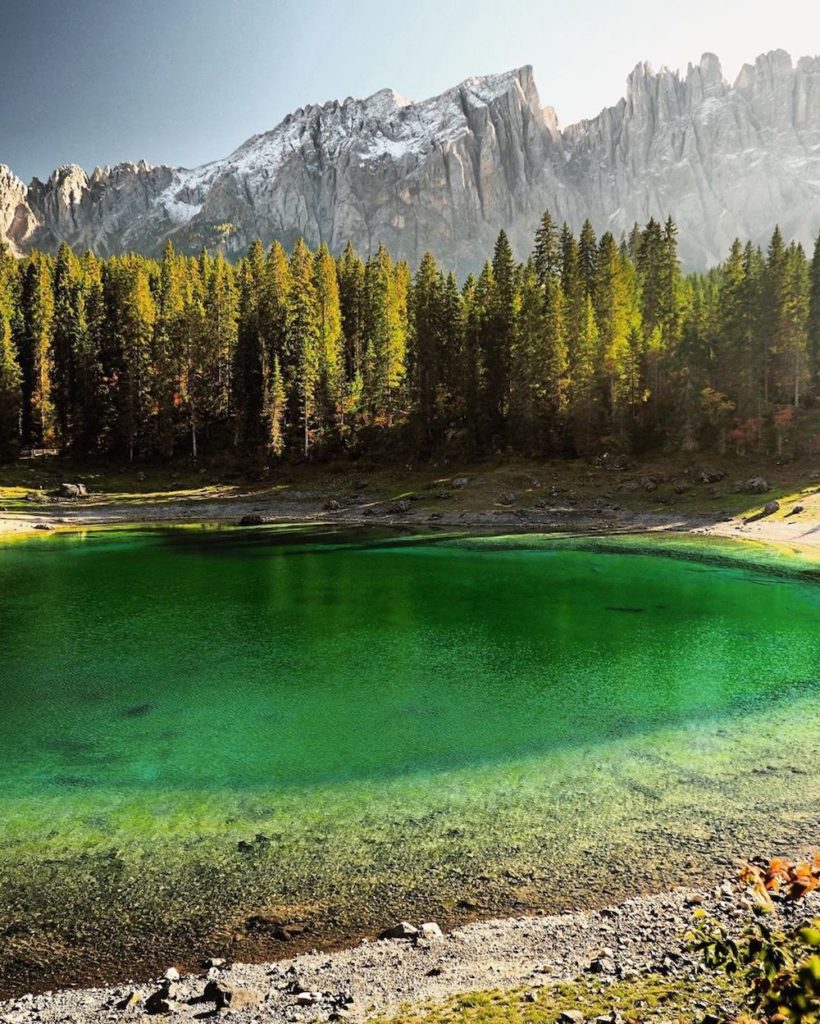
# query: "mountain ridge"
448,172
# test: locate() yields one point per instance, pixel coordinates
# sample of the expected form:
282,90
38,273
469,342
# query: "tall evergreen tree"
303,333
814,321
249,353
11,377
36,351
331,340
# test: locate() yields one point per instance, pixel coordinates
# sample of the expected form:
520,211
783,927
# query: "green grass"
648,998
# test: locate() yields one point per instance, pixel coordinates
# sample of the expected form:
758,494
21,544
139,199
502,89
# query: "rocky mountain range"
445,174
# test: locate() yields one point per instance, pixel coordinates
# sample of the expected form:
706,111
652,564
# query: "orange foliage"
782,877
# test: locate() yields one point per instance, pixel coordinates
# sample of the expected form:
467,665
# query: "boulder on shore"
73,491
232,996
402,930
771,507
252,520
710,476
756,485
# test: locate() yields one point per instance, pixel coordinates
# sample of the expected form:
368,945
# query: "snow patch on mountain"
446,173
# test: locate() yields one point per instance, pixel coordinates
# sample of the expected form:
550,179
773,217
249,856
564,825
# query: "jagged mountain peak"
445,173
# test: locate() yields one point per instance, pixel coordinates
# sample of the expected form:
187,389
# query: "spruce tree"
36,351
425,343
11,378
249,353
498,335
547,252
331,340
814,321
303,334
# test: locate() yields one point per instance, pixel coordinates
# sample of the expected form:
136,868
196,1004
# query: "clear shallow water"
394,715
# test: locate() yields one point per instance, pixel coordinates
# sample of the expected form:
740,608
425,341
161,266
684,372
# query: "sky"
186,81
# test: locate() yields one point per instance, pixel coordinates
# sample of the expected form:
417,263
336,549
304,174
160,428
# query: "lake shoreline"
787,531
629,942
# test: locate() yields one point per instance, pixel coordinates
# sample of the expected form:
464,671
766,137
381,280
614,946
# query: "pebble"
503,954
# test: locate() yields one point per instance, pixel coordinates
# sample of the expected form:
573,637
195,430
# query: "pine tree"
498,334
581,340
249,353
473,303
131,316
615,314
425,346
352,299
220,326
169,345
91,388
454,372
11,377
303,334
547,252
36,351
68,340
794,335
528,363
196,376
277,404
773,306
814,321
588,256
386,290
331,340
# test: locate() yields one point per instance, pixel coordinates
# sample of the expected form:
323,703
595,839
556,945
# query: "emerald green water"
402,719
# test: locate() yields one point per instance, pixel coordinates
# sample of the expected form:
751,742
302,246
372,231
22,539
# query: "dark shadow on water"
137,711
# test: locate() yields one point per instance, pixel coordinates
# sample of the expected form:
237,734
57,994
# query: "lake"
244,742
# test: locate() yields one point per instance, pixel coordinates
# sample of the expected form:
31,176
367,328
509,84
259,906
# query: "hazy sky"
186,81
